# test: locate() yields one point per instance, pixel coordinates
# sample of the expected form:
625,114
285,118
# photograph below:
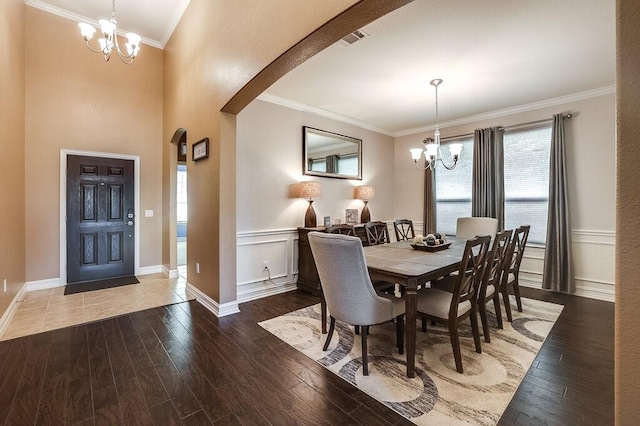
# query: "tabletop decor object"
364,193
310,189
431,242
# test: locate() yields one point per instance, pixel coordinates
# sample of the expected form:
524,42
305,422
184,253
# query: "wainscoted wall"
593,253
279,248
593,260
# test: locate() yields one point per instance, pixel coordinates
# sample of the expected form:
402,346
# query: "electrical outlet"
5,285
265,265
197,268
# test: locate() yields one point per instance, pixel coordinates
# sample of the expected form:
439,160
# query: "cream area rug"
438,394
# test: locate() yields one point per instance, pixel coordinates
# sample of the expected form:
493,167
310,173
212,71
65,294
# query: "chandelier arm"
451,167
441,158
92,49
426,167
123,57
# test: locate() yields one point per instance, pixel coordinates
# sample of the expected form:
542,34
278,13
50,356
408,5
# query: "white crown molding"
607,90
321,112
46,7
601,91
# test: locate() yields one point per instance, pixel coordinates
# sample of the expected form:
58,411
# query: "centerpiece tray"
431,248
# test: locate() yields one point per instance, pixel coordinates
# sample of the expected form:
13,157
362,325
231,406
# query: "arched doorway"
181,202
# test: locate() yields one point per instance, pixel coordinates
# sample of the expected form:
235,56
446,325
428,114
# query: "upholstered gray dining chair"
348,291
511,273
490,287
469,227
452,308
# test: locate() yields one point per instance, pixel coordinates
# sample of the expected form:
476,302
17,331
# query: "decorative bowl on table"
430,242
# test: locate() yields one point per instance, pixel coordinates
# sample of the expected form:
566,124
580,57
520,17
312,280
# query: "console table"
308,279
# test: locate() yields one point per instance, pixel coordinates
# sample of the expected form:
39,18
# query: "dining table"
412,268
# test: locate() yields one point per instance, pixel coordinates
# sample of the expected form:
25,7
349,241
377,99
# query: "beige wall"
76,100
12,216
217,47
627,349
270,161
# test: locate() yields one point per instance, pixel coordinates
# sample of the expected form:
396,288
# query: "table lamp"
364,193
310,189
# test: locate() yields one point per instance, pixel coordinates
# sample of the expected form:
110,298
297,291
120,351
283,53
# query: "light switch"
148,213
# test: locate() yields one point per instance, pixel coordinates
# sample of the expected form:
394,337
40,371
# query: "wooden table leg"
410,308
323,312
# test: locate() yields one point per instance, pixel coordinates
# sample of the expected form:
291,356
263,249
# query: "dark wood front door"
100,218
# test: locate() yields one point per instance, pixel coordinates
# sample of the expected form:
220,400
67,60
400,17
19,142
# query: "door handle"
130,223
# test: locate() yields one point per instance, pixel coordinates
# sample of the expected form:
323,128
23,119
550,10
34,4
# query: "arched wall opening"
177,231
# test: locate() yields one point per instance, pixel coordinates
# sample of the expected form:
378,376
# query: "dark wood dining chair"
377,233
344,229
490,287
512,269
404,229
452,308
348,290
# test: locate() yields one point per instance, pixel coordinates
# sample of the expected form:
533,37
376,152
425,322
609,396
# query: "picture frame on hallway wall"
200,149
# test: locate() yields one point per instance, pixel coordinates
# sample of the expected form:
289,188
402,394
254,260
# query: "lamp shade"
309,189
364,192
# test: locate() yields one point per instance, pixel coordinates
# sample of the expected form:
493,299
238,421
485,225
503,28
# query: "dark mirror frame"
333,141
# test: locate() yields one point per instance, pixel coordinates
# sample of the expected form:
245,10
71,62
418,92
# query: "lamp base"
365,216
310,217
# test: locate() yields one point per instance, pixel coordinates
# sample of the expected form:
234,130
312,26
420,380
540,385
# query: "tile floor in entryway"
45,310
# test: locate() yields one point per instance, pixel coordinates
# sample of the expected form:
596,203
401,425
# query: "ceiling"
495,56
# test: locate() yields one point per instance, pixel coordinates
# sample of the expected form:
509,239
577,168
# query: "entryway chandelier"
431,148
109,41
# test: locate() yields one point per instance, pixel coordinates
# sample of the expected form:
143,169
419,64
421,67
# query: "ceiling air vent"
352,38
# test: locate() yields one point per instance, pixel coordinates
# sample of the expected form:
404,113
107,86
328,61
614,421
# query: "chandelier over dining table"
109,41
431,148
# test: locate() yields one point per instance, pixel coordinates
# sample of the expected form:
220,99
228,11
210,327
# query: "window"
526,183
453,187
526,180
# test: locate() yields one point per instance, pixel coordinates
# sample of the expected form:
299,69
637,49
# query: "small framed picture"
200,149
327,221
351,216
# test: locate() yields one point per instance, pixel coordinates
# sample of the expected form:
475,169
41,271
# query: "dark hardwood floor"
180,364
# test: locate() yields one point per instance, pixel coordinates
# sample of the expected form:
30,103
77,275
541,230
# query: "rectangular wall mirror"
331,155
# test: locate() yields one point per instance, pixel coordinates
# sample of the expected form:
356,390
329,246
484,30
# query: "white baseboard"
584,288
171,273
265,291
55,282
11,309
219,310
43,284
148,270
